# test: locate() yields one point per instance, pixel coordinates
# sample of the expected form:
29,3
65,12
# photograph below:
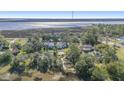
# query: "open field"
120,53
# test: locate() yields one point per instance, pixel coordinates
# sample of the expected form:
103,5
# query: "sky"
61,14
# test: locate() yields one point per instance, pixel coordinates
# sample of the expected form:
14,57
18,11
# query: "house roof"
87,48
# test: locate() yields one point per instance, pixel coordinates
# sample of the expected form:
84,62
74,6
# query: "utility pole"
72,14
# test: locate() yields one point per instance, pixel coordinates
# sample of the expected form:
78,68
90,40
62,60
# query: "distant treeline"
30,32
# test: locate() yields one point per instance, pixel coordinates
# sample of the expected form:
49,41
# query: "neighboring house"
59,45
49,44
87,48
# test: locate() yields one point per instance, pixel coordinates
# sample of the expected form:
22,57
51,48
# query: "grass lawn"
120,53
4,69
20,40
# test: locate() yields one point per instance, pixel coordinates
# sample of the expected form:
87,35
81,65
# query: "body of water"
37,25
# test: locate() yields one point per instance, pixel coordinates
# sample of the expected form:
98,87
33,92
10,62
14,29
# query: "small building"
87,48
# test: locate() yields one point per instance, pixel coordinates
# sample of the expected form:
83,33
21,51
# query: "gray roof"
87,48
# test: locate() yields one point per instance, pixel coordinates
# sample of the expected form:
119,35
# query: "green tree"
3,43
16,45
33,44
85,66
46,62
20,63
106,53
90,36
17,66
116,70
75,39
41,62
100,73
73,53
5,57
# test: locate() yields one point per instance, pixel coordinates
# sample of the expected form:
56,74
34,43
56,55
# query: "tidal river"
37,25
